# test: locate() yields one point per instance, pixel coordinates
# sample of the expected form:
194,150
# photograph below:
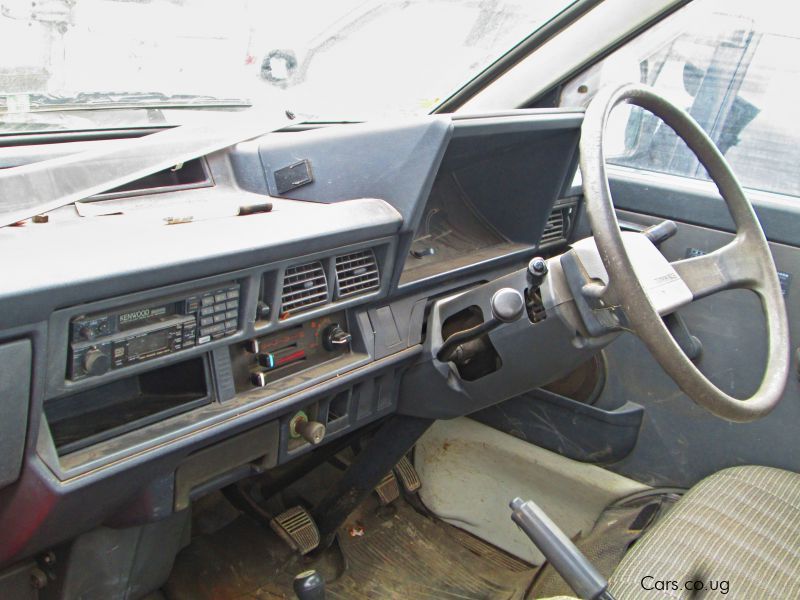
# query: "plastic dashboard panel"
216,412
112,261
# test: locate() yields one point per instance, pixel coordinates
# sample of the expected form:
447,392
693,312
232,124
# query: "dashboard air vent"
304,286
185,176
356,273
558,224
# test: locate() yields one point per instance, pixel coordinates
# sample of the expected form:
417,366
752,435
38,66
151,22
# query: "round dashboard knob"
96,362
335,337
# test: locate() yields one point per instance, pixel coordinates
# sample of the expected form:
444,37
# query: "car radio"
112,340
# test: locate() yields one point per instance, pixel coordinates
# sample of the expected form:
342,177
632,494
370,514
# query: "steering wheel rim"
746,262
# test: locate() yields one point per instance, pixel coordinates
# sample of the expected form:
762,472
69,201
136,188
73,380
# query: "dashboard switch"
280,358
310,431
537,271
258,378
335,336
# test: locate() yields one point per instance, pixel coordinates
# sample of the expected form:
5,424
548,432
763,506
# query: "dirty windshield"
92,64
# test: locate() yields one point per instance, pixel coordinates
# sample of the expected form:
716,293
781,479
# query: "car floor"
383,552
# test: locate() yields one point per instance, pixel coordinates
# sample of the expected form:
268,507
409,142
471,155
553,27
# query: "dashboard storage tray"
104,412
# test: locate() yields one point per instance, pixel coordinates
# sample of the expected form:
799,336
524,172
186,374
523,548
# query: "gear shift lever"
508,305
309,585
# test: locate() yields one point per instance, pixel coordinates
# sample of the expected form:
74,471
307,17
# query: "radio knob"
335,337
96,362
86,332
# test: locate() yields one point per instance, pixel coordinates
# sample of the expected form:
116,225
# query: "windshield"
343,60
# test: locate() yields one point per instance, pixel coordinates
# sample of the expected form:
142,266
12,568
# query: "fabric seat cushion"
740,525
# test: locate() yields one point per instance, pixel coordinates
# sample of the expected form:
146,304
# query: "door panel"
679,442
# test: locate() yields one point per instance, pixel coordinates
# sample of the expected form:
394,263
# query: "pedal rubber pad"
388,490
296,527
407,475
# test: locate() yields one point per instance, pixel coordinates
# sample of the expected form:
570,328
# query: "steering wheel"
745,262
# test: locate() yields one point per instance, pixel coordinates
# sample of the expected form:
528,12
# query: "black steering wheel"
745,262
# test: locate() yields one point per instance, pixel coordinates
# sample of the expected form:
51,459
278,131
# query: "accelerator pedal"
407,475
388,489
297,528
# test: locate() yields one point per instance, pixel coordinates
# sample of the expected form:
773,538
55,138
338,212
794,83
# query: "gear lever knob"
508,305
309,585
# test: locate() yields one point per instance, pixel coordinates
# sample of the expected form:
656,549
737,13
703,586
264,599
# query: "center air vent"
558,224
356,273
304,286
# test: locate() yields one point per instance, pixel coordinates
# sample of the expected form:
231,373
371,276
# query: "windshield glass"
343,60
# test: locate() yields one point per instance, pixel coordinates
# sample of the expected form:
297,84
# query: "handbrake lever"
558,549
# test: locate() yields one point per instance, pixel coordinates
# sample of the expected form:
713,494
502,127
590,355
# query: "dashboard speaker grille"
356,273
558,224
304,286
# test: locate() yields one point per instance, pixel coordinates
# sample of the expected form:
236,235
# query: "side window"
733,65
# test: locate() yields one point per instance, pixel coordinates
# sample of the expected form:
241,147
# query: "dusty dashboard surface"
216,336
490,198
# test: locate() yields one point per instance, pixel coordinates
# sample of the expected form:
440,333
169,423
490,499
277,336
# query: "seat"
740,525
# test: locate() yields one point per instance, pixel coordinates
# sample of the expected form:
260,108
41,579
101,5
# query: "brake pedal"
388,489
407,475
296,527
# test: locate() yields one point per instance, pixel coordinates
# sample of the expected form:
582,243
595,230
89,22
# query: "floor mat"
384,553
616,529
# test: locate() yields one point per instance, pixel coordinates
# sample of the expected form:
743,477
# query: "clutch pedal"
407,475
388,489
296,527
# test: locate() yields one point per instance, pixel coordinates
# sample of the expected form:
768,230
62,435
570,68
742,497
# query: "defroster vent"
558,224
304,286
356,273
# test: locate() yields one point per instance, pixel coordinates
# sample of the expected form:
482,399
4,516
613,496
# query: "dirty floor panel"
384,553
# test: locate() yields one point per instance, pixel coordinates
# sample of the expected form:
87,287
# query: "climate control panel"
262,360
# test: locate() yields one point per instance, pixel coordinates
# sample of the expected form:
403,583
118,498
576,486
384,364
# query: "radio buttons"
131,334
192,305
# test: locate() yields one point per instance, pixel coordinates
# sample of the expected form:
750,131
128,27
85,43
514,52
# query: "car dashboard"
146,363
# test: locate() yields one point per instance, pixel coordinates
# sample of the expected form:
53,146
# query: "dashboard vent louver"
356,273
304,286
558,224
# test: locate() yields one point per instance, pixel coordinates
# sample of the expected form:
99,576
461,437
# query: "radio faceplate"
115,339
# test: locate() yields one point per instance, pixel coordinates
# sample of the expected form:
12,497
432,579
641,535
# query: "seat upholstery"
740,525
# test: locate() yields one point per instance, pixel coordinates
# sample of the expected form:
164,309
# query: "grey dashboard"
147,363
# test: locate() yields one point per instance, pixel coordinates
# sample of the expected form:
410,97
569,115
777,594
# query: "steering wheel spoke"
729,267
